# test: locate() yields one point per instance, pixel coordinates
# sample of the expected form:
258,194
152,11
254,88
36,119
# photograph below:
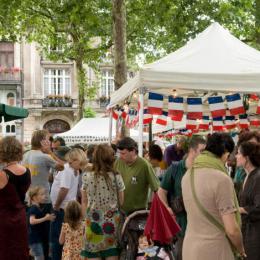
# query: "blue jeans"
56,248
37,251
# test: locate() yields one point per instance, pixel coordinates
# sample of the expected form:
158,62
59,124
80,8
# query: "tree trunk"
81,78
120,61
257,22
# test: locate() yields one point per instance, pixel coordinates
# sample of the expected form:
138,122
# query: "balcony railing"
57,101
10,76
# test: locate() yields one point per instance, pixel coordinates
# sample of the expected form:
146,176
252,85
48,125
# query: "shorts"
37,249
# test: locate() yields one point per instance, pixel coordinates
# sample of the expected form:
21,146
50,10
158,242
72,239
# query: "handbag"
121,216
211,218
177,204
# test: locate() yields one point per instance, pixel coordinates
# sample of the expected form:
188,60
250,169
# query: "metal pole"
110,126
141,117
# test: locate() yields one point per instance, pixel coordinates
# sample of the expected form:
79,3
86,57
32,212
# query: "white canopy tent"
93,131
215,61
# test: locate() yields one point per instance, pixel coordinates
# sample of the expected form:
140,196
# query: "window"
10,99
6,54
57,82
107,83
10,130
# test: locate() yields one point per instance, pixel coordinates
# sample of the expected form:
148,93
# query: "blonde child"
37,218
72,232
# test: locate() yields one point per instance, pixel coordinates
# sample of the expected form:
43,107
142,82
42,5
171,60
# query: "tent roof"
93,130
12,113
214,61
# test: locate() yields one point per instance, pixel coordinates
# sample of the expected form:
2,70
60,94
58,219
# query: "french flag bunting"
155,103
254,97
230,122
175,108
235,104
162,119
123,113
243,121
194,108
204,124
258,108
254,121
132,114
115,114
148,118
217,124
216,106
191,124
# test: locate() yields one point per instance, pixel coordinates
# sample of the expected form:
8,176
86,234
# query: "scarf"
209,160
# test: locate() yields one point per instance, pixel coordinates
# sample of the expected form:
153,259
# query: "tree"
82,28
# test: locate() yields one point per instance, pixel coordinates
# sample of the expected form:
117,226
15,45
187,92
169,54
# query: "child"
148,250
72,232
37,196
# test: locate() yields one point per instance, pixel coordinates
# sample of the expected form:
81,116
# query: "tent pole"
3,127
110,125
141,117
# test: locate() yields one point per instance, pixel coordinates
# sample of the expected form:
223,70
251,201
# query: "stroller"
132,229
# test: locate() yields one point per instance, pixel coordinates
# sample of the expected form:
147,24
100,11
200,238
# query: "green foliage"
89,112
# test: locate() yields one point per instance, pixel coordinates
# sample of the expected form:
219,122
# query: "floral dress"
102,215
73,241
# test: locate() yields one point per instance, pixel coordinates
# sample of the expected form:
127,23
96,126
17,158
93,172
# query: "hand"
46,146
243,254
50,217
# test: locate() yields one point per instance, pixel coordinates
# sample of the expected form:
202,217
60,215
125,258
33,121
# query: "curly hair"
247,136
10,150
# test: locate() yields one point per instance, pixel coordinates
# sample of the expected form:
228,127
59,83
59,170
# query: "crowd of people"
59,202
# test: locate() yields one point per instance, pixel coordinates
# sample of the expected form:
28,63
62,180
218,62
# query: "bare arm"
121,197
61,196
47,217
163,197
233,232
84,202
3,180
62,237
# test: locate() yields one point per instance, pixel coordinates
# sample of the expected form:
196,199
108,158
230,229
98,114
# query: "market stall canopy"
10,113
215,61
94,131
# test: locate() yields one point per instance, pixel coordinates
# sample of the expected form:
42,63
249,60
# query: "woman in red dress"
14,182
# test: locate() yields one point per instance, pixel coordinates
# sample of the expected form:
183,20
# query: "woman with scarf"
248,157
213,230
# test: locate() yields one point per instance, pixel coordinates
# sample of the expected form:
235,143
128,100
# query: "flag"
254,121
254,97
132,114
217,124
235,104
123,114
175,108
243,121
216,106
194,108
148,118
230,122
258,108
155,103
115,114
162,119
204,123
191,124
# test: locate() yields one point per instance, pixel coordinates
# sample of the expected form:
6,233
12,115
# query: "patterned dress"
73,242
102,216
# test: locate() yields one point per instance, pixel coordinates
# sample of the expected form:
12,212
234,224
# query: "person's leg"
179,248
56,248
112,258
46,208
37,251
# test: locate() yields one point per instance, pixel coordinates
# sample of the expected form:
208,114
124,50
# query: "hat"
61,152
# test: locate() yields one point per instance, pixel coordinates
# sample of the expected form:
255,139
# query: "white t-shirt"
65,179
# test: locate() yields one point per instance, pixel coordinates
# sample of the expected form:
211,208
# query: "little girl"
72,232
36,196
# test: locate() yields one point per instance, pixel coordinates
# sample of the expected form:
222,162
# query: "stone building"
47,89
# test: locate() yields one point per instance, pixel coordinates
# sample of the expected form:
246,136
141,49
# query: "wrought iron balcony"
57,101
10,75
